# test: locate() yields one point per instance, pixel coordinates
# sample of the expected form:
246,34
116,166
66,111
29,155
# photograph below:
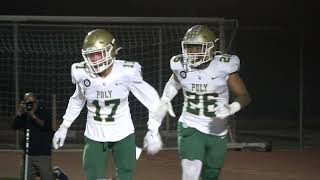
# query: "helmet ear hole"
117,50
212,49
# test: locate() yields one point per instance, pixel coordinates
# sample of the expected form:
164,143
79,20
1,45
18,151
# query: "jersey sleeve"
233,65
133,70
77,100
146,94
142,90
176,62
76,71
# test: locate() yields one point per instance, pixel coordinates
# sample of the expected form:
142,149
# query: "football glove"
163,108
152,142
59,136
224,110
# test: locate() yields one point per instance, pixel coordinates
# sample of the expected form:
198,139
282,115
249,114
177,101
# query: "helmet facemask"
197,53
99,59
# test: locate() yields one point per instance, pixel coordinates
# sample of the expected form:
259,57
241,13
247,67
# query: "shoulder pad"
129,64
177,59
132,69
80,65
77,70
176,62
231,63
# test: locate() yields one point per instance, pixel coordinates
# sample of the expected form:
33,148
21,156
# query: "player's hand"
163,108
224,110
59,137
152,142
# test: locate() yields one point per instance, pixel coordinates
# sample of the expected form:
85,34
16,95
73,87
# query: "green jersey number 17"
114,103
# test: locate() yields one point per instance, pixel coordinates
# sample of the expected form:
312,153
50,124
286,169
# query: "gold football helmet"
99,50
198,45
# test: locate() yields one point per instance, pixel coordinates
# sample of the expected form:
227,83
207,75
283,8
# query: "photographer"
35,120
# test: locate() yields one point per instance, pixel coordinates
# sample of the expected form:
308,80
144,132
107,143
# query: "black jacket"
39,137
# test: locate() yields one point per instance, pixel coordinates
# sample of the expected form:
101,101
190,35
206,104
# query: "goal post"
38,51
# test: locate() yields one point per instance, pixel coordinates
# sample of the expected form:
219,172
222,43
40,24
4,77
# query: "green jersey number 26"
201,104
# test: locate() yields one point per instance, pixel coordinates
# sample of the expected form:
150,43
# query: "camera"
29,105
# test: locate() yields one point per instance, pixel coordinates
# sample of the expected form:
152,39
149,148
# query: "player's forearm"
149,97
146,94
171,88
164,106
75,105
72,112
243,100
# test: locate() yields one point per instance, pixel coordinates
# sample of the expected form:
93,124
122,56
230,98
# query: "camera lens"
29,105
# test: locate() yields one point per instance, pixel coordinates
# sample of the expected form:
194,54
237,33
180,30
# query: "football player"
104,83
205,76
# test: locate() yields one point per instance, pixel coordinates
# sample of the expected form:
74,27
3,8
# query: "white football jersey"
109,117
201,87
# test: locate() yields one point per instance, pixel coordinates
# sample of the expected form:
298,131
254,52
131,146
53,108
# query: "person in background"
35,121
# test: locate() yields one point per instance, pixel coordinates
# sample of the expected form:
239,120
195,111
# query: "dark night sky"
292,13
272,11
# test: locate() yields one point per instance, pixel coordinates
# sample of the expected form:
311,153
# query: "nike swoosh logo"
212,78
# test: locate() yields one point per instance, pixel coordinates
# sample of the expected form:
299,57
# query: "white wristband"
171,88
234,107
66,124
153,125
165,99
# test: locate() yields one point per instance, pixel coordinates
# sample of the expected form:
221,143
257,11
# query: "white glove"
59,136
224,110
162,109
152,142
